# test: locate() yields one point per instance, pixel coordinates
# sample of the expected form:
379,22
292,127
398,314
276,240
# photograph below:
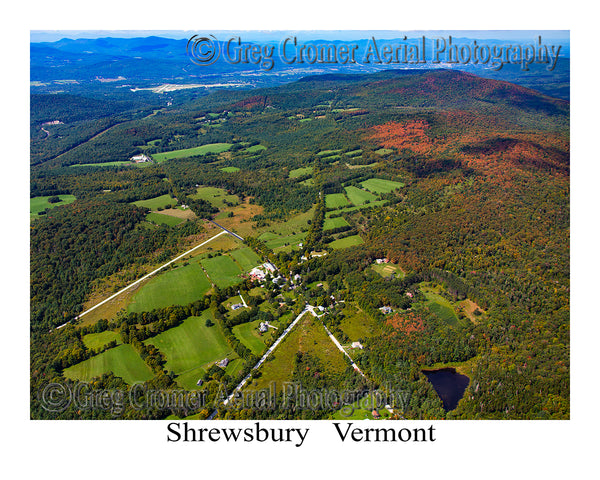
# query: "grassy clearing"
246,258
300,172
188,380
123,361
353,209
358,196
178,286
39,204
336,200
222,271
440,305
357,324
354,153
383,151
192,344
192,152
386,270
156,202
255,148
279,242
98,340
230,169
215,196
337,222
346,242
160,219
379,185
118,163
327,153
291,226
248,335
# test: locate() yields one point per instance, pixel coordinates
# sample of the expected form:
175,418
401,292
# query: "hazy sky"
262,35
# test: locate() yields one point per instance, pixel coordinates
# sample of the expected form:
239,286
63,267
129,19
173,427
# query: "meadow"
336,200
160,219
336,222
98,340
123,361
222,271
192,344
177,286
379,185
358,196
156,202
215,196
248,335
192,152
246,258
300,172
346,242
38,204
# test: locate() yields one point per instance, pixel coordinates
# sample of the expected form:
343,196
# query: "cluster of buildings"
141,158
260,272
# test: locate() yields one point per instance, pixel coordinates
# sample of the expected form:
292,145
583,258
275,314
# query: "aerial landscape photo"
300,225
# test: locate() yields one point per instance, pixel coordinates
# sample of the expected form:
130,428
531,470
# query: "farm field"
357,324
123,361
98,340
192,152
156,202
358,196
230,169
192,344
161,219
353,209
439,305
247,334
387,269
327,153
246,258
300,172
379,185
222,270
337,222
215,196
346,242
336,200
255,148
38,204
289,240
178,286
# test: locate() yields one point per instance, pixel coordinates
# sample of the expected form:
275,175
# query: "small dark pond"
449,385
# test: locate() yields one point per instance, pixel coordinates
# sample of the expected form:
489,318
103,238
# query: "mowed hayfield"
192,152
300,172
246,258
192,344
248,335
336,200
379,185
156,202
123,361
337,222
346,242
98,340
38,204
358,196
215,196
178,286
222,271
160,219
274,242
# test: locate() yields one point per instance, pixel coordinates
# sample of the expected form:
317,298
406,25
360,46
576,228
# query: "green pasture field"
192,344
178,286
300,172
353,209
192,152
123,361
159,219
354,153
248,335
379,185
255,148
440,306
246,258
279,242
215,196
346,242
156,202
38,204
230,169
358,196
357,324
327,153
383,151
336,200
98,340
222,271
387,269
337,222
